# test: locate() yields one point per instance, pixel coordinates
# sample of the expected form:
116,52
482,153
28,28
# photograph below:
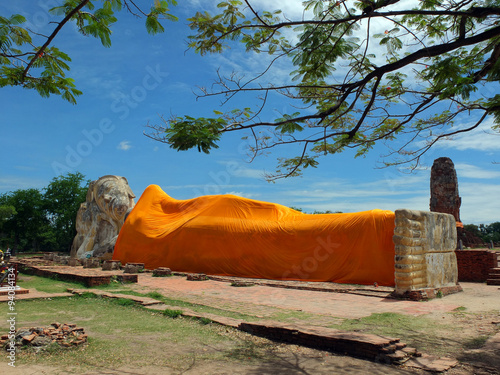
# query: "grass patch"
154,295
194,306
424,333
124,302
475,342
288,315
45,284
27,255
50,285
204,321
117,330
172,313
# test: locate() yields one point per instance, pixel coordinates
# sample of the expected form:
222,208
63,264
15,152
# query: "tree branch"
53,35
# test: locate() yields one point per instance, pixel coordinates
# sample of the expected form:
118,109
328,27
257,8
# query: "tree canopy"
62,199
28,226
488,232
30,60
33,219
362,72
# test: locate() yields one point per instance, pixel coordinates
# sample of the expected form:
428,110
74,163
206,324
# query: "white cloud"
392,185
480,203
124,146
12,183
291,8
483,138
249,173
237,169
358,204
471,171
393,192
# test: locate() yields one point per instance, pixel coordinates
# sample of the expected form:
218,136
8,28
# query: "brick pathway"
257,298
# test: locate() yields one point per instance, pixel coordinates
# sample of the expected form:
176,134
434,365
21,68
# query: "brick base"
429,293
475,265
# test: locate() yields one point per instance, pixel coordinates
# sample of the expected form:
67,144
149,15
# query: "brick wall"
474,265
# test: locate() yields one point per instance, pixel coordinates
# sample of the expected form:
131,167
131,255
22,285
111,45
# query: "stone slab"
432,363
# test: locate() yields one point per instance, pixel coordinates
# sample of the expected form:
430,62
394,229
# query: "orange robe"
234,236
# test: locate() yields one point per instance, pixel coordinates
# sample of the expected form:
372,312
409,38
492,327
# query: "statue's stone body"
425,250
101,217
444,188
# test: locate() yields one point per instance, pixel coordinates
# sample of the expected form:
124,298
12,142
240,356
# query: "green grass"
45,284
124,302
119,333
172,313
50,285
194,306
204,320
475,342
154,295
424,333
27,255
287,315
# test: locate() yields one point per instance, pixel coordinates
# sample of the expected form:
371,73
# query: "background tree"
490,232
6,213
474,230
487,232
62,199
29,228
363,72
29,59
43,220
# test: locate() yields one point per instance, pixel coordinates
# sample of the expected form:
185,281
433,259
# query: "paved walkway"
334,302
341,305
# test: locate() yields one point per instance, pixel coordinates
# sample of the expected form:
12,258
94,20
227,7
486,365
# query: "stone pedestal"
197,277
111,265
425,252
48,256
73,262
61,259
162,272
91,263
133,268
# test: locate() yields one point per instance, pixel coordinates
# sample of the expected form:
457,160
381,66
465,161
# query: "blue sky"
142,77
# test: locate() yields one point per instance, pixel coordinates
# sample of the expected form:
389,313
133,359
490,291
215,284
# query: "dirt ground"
479,302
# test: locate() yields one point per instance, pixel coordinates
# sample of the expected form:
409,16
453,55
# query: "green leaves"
494,108
286,124
391,40
213,34
320,49
293,167
159,11
189,132
364,72
21,50
12,35
30,219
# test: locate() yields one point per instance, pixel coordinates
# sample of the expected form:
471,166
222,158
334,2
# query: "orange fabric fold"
234,236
